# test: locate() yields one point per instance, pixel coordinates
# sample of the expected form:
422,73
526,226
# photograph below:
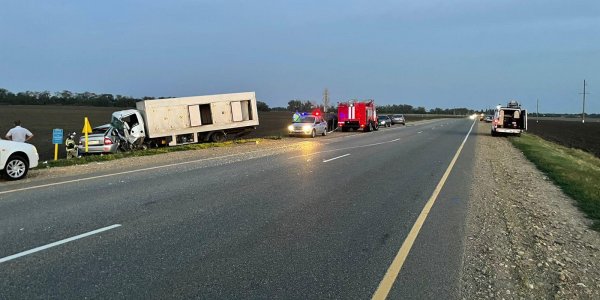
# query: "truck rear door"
524,116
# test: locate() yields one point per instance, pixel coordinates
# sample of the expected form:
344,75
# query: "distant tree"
279,108
419,110
294,105
262,106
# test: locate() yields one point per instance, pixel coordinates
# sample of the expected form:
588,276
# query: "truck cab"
130,125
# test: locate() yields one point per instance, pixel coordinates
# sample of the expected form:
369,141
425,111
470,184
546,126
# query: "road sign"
57,136
87,128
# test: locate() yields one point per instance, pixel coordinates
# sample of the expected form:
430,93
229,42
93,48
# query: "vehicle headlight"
306,128
291,128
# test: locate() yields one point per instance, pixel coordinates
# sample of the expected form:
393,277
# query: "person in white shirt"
18,133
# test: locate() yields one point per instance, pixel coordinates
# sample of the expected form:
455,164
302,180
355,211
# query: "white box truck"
175,121
510,119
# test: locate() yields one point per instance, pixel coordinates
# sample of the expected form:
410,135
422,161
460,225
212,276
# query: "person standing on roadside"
18,133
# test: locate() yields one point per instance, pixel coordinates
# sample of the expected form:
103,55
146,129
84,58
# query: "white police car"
308,125
16,159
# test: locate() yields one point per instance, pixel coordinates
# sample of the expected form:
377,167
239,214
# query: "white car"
17,158
309,125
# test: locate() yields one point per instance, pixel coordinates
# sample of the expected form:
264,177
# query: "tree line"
300,105
84,99
108,100
67,98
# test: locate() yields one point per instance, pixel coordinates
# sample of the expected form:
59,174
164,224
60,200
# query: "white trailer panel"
177,116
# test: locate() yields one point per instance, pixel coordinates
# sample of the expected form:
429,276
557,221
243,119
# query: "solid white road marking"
328,160
386,284
5,259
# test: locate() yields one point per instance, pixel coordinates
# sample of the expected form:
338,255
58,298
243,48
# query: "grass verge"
576,172
107,157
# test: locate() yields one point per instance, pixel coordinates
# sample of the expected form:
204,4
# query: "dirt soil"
525,238
572,133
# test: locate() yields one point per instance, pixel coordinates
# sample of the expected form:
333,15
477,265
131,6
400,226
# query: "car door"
322,125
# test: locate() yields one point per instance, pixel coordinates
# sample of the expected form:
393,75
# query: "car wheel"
15,168
325,132
313,133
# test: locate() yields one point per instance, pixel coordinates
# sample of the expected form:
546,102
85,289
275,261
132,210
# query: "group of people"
22,135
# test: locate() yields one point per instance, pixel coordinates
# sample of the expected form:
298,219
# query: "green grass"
107,157
576,172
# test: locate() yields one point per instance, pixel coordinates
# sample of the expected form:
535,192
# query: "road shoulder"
525,238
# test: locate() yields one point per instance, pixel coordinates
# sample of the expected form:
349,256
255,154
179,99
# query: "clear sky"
467,53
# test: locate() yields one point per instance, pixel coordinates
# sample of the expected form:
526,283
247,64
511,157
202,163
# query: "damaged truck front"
186,120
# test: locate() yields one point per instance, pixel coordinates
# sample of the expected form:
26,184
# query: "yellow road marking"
386,284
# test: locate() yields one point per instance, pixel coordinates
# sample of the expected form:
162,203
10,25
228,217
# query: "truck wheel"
313,133
376,127
16,168
369,127
344,129
218,137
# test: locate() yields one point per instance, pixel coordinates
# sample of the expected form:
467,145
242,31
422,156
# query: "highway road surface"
324,219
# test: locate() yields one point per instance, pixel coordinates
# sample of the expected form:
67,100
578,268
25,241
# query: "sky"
460,53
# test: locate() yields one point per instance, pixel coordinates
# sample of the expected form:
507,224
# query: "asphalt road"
324,220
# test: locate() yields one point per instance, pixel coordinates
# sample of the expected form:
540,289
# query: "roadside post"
87,128
57,139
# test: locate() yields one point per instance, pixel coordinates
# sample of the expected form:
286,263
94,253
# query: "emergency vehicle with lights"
510,119
357,115
309,125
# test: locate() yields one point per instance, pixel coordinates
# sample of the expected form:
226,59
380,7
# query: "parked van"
510,119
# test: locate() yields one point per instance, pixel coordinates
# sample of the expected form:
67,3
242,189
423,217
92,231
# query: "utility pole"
537,110
584,93
325,99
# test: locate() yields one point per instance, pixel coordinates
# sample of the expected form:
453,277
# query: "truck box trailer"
357,115
185,120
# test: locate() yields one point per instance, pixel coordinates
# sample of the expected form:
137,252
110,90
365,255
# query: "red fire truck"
356,115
